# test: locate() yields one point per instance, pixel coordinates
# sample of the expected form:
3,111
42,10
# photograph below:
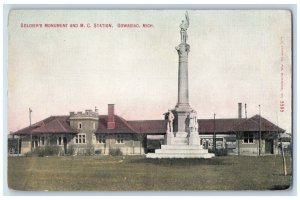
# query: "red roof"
53,124
252,124
150,126
207,125
221,125
122,126
236,125
57,125
60,124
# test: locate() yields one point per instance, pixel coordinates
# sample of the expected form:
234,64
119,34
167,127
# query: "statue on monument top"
184,26
170,121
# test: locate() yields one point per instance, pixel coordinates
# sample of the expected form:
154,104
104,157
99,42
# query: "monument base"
181,146
180,151
169,137
194,138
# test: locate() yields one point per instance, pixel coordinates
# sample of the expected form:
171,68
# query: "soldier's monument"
182,138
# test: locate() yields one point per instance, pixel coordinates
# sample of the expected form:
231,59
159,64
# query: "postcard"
150,100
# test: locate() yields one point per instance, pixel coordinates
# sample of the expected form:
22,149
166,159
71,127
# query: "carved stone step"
181,147
182,151
180,155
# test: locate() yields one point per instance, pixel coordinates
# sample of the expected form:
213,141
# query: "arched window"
79,125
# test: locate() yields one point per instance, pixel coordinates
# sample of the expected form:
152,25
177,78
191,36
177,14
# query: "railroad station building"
90,133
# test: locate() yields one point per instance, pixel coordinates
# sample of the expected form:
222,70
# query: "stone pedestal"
181,146
180,151
181,121
194,138
169,137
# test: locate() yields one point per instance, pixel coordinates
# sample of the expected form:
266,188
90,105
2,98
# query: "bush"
98,151
28,154
44,151
51,150
115,152
71,150
90,150
221,152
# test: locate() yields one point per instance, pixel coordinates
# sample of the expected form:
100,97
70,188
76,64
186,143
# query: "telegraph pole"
214,138
18,144
259,150
30,111
283,158
245,110
276,137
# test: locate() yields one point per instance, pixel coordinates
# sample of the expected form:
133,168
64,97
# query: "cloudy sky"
235,56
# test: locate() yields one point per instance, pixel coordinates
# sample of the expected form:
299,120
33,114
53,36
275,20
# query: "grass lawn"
106,173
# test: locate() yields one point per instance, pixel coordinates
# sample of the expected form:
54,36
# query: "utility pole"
283,158
30,111
259,150
237,142
141,139
214,137
245,110
276,137
18,144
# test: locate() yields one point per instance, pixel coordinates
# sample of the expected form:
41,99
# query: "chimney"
245,110
111,117
240,110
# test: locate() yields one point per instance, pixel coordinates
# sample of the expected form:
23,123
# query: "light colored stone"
194,138
210,155
193,124
181,134
169,138
170,122
181,147
185,143
180,151
183,28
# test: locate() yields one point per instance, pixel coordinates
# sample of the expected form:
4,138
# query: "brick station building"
88,131
241,136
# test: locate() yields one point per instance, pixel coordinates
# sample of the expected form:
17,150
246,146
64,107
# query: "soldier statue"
170,122
193,125
183,28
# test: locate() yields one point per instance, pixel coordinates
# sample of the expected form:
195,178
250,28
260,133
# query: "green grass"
106,173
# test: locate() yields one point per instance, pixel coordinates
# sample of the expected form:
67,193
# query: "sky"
235,56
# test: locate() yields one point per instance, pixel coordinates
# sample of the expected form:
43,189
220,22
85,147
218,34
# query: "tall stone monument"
183,108
182,138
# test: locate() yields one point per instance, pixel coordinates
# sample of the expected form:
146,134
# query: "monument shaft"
183,89
182,108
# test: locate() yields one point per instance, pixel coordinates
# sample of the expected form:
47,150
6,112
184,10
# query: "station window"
79,125
35,141
120,139
59,140
80,138
100,139
248,138
42,139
